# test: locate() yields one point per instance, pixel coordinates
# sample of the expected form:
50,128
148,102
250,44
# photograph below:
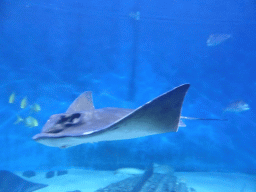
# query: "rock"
29,174
10,182
62,172
49,174
182,187
75,191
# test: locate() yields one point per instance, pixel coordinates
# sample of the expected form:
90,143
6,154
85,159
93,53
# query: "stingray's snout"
44,139
38,136
35,137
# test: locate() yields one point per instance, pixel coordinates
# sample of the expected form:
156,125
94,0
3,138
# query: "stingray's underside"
82,123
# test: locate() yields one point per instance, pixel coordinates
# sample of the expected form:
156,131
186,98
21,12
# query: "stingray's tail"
207,119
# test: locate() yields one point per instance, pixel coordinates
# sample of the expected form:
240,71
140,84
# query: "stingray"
10,182
82,123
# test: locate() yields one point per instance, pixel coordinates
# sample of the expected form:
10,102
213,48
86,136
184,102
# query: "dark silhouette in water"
29,174
49,174
13,183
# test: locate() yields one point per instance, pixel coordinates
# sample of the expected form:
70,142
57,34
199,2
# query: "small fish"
19,119
135,15
23,103
12,98
36,107
237,106
30,122
216,39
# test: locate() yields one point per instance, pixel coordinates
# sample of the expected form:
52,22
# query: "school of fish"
28,121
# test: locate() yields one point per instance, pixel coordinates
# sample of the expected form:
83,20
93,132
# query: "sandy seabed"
90,181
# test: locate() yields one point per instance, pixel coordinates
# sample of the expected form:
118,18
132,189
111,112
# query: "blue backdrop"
52,51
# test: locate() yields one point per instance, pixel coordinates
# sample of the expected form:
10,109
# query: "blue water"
52,51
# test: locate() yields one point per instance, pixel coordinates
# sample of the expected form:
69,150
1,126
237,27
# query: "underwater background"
127,53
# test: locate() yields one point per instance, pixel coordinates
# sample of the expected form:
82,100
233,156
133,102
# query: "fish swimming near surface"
19,119
23,103
28,121
12,98
216,39
31,122
35,107
82,123
237,106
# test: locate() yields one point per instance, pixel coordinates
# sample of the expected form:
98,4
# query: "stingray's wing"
13,183
160,115
182,124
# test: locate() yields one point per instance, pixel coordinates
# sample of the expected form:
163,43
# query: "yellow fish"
36,107
30,122
12,98
23,103
19,119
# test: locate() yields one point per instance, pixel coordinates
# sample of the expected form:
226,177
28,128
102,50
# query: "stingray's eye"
62,119
74,118
69,120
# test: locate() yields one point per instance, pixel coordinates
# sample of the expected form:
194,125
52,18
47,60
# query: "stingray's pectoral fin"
160,115
182,124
